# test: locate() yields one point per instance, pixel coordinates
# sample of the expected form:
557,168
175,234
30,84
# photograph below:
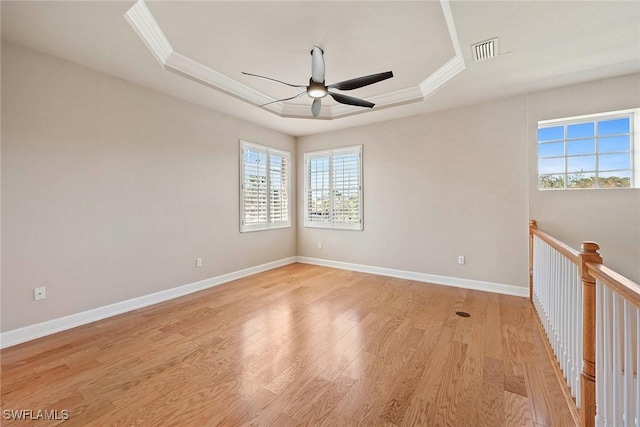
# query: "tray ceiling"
189,49
427,44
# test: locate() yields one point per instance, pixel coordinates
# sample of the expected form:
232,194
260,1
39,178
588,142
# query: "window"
264,187
595,151
333,188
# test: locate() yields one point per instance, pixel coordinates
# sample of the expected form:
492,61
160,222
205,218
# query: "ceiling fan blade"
317,65
285,99
315,107
269,78
359,82
350,100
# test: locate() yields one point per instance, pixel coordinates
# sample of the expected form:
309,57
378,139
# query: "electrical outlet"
461,259
39,293
198,262
319,245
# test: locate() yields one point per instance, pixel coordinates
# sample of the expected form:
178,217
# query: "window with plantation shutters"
333,188
264,187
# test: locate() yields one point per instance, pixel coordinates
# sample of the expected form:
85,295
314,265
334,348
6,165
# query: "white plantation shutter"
318,190
264,188
346,188
278,188
333,188
254,186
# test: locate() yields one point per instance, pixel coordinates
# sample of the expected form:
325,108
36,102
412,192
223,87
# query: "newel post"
533,225
589,253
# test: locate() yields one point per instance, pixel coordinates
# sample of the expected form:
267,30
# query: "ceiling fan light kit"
317,89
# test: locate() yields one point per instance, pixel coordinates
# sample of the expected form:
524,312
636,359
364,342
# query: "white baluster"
607,395
570,325
628,366
578,335
637,387
561,310
617,368
571,336
547,289
578,283
557,295
554,301
601,409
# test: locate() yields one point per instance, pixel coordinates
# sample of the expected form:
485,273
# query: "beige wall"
111,191
436,186
609,217
464,182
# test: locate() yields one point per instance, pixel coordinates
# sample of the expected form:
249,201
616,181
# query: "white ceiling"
542,45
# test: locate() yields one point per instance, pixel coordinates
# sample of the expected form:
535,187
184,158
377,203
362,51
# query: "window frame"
634,148
330,223
269,224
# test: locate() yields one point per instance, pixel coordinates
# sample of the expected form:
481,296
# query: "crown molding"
299,111
146,27
443,74
451,26
385,100
207,76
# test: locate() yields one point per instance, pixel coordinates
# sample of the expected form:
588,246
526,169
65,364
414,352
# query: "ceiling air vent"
485,50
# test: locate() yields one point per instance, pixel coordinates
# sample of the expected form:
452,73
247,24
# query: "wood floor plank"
395,408
517,411
447,402
491,411
314,411
493,343
297,345
471,387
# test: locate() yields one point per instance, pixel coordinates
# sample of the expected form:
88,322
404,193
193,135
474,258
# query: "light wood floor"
299,345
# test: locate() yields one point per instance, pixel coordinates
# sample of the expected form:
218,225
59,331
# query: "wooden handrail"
627,288
566,250
591,270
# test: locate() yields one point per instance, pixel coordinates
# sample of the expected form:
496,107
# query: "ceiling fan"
318,90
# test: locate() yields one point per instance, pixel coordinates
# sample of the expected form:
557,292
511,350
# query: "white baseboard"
478,285
27,333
